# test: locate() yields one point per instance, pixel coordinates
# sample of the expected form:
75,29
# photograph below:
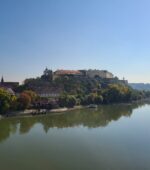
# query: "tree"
71,101
7,101
24,101
32,95
47,75
114,93
98,99
67,101
91,98
62,101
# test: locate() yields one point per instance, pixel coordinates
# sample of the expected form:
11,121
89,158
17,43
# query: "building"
48,92
10,85
99,73
86,73
60,73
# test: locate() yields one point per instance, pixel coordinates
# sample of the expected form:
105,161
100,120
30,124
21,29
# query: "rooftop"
69,72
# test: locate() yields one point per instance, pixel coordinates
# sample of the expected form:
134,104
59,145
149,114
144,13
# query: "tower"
2,80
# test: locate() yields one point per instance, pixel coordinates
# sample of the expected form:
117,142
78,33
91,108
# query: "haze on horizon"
75,34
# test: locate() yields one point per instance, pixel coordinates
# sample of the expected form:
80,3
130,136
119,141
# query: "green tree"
47,75
6,101
98,99
91,98
67,101
114,93
62,101
71,101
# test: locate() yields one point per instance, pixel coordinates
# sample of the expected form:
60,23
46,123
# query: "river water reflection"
113,137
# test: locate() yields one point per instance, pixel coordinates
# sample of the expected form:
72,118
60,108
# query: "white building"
101,73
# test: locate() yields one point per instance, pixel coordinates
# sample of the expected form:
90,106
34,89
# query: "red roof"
69,72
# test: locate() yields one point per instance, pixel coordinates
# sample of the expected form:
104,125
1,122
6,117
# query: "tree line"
28,99
75,91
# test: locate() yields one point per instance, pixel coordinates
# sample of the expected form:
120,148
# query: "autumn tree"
24,101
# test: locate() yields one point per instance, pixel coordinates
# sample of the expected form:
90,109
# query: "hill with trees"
73,90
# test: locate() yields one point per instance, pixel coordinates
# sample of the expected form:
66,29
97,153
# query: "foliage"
92,98
99,99
116,93
7,101
67,101
24,101
47,75
71,101
32,95
78,90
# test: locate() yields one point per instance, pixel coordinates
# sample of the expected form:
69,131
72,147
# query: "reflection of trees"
7,127
86,117
26,124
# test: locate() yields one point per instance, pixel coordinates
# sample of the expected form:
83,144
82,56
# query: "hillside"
140,86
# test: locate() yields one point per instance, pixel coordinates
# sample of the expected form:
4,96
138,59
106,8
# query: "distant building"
87,73
83,72
48,92
99,73
59,73
11,85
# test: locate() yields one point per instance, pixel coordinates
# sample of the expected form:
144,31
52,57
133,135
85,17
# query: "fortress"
86,73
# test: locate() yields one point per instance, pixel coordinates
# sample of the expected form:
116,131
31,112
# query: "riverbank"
34,112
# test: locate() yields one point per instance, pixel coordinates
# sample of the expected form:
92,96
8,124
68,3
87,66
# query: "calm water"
111,138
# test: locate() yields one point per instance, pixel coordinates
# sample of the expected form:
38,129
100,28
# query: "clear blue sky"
75,34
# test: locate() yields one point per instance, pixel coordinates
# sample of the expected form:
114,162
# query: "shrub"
23,101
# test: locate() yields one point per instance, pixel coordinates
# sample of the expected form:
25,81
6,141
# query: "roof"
11,85
9,90
67,72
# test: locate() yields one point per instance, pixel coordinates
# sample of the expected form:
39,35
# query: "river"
113,137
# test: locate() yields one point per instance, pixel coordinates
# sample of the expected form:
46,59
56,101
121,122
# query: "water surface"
115,137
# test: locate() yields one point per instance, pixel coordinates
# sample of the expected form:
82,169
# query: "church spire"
2,80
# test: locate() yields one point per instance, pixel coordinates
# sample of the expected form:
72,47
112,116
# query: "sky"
111,35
